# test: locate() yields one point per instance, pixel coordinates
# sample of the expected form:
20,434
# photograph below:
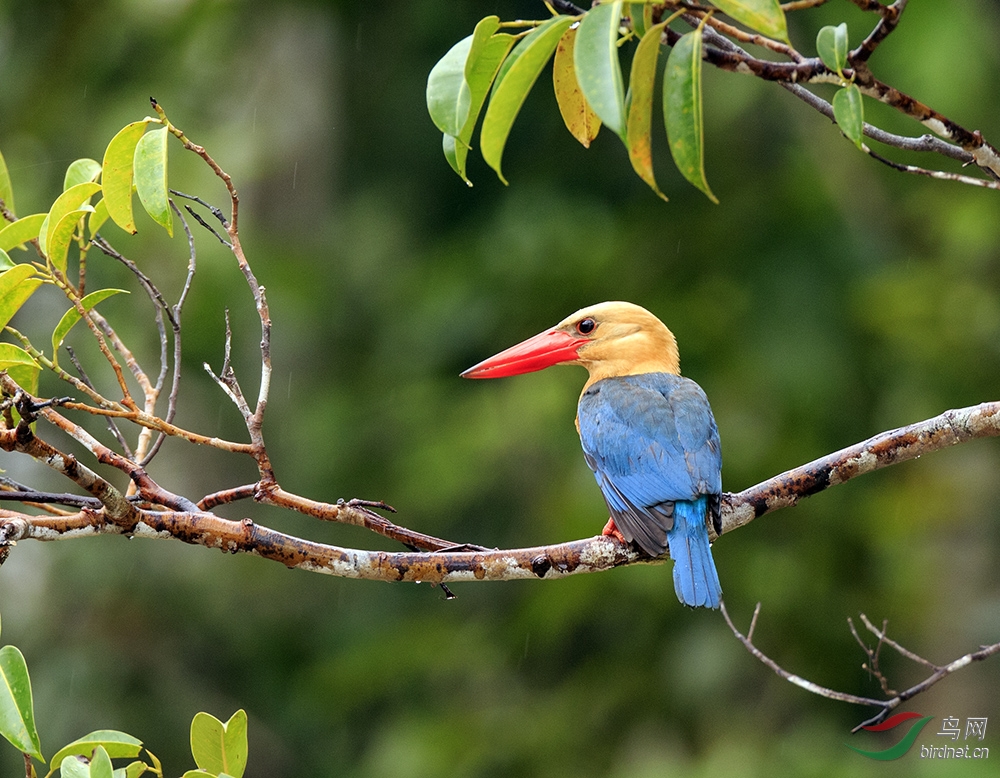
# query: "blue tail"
695,578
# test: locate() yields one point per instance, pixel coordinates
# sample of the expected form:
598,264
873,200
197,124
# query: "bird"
648,434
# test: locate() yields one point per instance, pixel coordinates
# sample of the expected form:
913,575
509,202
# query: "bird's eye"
586,326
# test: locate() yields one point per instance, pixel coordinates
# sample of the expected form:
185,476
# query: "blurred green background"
826,299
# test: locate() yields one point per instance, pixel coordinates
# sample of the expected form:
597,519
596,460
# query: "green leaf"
16,286
61,235
6,263
637,13
849,112
81,171
116,174
831,45
16,234
480,71
151,177
579,118
17,717
72,316
132,770
100,764
640,112
118,745
218,747
764,16
198,774
447,92
20,366
72,199
6,190
513,84
98,217
597,68
682,110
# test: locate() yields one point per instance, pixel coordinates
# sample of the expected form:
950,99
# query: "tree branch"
893,699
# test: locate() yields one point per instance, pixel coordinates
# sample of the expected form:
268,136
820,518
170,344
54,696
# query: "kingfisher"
648,434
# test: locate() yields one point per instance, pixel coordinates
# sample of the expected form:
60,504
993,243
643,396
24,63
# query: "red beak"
552,347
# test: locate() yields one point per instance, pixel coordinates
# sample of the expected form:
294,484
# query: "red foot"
612,531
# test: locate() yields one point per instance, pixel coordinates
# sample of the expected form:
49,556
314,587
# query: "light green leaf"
597,68
132,770
16,286
81,171
198,774
100,764
6,263
75,768
6,189
116,174
764,16
98,217
218,747
118,745
576,113
849,112
513,84
20,366
72,316
61,235
72,199
640,112
831,45
481,69
449,95
16,234
151,177
447,92
682,110
17,717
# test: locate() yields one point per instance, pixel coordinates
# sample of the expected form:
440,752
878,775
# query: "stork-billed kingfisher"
647,433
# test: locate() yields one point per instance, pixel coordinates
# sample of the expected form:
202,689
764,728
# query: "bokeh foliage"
825,299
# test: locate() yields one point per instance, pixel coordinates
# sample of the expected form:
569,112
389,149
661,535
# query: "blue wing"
652,443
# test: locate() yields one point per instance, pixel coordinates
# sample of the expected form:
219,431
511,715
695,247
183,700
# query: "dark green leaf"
597,68
151,177
513,84
849,112
764,16
682,110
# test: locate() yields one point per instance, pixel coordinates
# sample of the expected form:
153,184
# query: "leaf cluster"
589,87
219,749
